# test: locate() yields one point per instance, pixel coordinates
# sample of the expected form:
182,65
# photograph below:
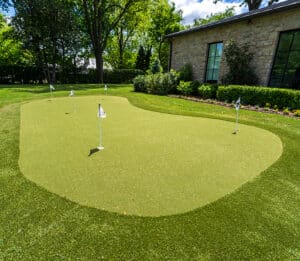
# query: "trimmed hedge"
29,74
255,95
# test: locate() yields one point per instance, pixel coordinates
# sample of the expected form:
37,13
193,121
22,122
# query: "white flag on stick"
101,112
51,87
72,93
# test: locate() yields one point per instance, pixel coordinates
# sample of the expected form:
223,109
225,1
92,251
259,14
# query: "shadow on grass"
93,151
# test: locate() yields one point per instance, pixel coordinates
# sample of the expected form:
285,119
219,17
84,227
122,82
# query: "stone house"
272,33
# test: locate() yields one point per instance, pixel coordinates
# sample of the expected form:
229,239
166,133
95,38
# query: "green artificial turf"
258,221
153,163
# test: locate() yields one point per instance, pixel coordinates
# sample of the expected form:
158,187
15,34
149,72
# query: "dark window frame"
276,55
207,59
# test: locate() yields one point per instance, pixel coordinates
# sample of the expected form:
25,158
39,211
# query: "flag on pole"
72,93
237,104
51,87
101,112
105,89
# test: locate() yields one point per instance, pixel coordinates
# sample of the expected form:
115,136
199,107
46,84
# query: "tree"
240,70
101,18
164,20
48,29
124,39
143,59
229,12
11,50
252,4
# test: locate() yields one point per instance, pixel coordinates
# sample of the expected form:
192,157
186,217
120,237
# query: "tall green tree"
124,39
101,18
11,50
48,29
165,19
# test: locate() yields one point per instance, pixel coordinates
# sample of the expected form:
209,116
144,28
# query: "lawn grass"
261,220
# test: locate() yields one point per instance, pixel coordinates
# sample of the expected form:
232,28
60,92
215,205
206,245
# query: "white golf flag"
72,93
105,87
101,112
238,104
52,87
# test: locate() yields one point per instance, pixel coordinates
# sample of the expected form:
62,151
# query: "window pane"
285,41
215,75
210,63
209,75
213,61
212,50
287,59
296,42
294,60
219,49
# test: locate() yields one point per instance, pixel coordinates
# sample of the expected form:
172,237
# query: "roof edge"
283,6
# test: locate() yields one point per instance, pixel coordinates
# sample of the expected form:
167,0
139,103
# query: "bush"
250,95
156,67
160,83
139,84
186,73
208,91
297,113
188,88
238,59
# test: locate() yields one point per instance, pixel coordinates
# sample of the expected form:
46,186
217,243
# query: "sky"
201,8
193,9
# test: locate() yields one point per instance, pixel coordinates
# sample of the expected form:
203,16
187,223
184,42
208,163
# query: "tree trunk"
99,65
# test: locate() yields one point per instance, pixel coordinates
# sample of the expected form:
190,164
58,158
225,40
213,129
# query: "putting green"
153,164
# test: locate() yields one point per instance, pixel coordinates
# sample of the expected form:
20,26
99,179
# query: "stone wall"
260,33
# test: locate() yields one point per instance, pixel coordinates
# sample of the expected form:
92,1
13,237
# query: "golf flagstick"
51,89
72,94
237,108
105,89
101,115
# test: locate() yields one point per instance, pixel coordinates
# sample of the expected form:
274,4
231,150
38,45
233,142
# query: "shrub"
139,84
160,83
238,59
186,72
297,113
156,67
260,96
188,88
208,91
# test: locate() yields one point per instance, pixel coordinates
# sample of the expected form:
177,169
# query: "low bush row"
250,95
274,97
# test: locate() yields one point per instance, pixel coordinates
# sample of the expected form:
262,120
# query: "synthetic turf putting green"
153,164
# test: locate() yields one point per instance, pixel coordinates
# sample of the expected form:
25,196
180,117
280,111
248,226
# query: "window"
213,62
287,60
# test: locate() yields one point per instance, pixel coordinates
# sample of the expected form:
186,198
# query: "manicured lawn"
259,220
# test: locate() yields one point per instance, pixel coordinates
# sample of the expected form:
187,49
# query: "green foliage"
208,91
11,50
159,83
143,59
229,12
278,97
297,113
188,88
238,59
156,67
186,72
165,19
